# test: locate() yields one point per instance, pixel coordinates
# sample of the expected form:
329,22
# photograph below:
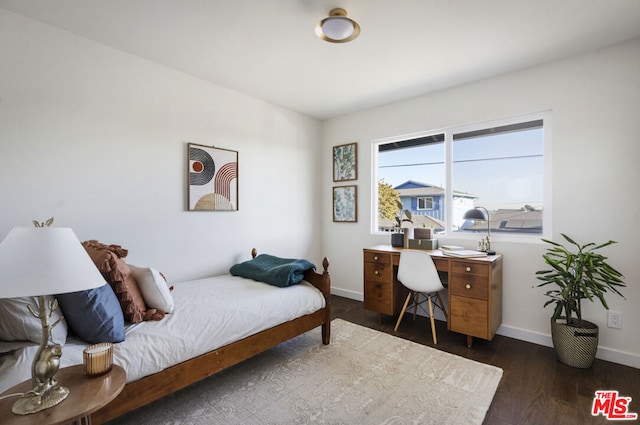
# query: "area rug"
363,377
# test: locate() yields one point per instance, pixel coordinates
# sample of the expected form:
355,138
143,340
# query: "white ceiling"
268,48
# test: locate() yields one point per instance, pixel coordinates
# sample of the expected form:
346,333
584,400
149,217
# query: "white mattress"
209,313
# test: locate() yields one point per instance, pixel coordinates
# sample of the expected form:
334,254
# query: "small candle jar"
98,359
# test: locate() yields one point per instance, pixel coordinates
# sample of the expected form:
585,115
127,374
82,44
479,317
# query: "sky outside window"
424,164
504,170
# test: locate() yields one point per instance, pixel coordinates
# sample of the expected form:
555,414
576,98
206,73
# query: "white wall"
595,103
98,139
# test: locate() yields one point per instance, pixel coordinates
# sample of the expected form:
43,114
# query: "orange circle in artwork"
197,166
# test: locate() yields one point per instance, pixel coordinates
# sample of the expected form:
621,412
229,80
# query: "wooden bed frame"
153,387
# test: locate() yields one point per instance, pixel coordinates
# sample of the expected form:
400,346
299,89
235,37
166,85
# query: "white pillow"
18,324
153,287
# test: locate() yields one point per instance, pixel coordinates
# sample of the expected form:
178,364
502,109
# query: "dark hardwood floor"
535,387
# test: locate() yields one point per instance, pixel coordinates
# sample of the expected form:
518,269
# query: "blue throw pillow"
94,315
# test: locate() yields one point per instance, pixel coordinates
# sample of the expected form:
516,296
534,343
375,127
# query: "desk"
474,289
86,395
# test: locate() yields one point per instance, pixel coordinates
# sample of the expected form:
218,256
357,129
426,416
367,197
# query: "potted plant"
578,272
403,216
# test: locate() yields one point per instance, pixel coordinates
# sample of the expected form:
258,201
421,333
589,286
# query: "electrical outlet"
614,319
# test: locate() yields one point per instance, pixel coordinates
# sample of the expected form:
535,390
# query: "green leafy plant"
388,199
579,272
403,215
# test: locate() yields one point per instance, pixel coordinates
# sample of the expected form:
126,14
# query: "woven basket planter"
576,343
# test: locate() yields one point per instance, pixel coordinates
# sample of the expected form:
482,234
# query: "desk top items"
423,238
481,214
464,253
400,235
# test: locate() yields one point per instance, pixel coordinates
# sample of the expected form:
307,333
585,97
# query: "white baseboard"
525,335
603,353
352,295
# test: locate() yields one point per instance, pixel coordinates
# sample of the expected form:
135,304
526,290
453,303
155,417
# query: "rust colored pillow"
110,261
105,258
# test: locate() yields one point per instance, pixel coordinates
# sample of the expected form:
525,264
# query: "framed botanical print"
213,178
345,204
345,162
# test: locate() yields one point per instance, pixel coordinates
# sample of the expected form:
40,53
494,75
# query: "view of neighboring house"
426,204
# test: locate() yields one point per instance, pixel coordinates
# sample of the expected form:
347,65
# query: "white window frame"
428,200
547,231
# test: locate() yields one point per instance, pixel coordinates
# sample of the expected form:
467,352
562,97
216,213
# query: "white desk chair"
417,273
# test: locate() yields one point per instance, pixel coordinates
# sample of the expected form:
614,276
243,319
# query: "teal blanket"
273,270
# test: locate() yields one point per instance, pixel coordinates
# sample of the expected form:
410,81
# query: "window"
407,169
425,203
437,176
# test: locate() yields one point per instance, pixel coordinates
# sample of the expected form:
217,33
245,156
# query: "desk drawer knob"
467,286
375,258
376,272
468,269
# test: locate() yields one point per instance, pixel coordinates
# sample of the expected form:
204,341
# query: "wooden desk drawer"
376,257
469,268
468,285
468,316
378,296
378,272
442,265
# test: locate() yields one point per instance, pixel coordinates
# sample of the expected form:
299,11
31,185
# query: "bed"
239,318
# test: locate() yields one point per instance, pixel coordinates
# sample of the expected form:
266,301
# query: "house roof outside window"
523,220
416,189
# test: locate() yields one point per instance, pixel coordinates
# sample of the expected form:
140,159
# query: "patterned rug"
363,377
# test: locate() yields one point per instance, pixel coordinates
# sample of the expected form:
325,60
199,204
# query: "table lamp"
35,262
481,213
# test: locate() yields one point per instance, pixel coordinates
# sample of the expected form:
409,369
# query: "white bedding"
209,313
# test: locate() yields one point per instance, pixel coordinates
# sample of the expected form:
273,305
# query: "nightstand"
86,395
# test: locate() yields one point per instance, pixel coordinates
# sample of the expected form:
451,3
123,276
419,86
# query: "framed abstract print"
213,178
345,162
345,204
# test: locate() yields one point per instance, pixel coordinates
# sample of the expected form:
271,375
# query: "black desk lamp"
481,213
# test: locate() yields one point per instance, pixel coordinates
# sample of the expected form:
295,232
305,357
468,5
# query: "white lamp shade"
45,261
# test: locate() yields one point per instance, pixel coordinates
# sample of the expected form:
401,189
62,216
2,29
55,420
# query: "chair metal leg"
433,323
404,307
416,301
444,310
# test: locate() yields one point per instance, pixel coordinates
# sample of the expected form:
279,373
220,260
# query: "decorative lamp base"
32,402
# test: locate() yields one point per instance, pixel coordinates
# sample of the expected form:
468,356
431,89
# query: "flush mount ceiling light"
337,27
